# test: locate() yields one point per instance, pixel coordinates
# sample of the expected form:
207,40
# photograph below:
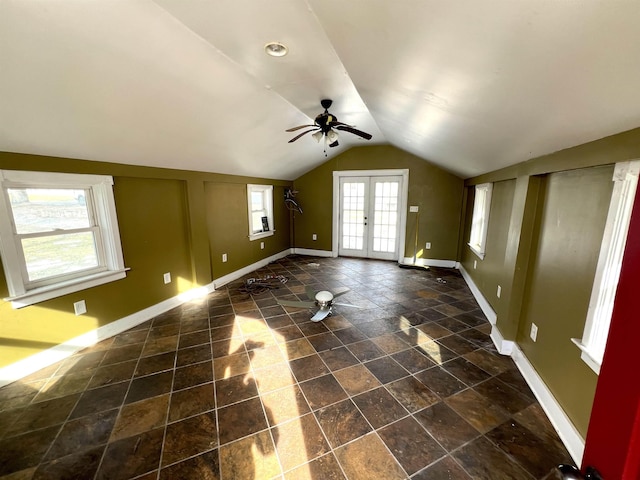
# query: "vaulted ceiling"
469,85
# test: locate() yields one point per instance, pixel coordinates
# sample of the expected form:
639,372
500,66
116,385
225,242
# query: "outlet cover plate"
80,307
534,332
167,277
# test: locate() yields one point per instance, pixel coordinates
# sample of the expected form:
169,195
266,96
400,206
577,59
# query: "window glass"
44,209
480,218
53,255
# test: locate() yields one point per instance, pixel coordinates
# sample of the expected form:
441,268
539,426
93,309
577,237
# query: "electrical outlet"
428,246
224,257
414,209
475,264
167,277
314,237
261,245
534,332
80,307
499,292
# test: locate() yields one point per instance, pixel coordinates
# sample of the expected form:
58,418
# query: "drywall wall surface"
228,228
165,226
567,238
437,193
488,272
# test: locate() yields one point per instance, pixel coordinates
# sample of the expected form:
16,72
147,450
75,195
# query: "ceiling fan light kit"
325,126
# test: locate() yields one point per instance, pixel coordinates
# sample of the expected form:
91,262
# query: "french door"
369,224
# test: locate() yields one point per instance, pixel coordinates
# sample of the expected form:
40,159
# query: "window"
58,234
605,284
260,200
480,219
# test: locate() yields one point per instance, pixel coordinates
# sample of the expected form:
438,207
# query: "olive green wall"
170,221
545,229
233,238
488,273
570,225
438,194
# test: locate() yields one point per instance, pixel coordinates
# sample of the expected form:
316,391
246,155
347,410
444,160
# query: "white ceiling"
469,85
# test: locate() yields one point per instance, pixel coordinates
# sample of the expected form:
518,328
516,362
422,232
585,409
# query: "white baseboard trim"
505,347
430,262
571,438
484,305
312,253
29,365
230,277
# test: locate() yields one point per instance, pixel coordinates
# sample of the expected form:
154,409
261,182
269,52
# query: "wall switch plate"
80,307
314,236
428,245
261,245
475,264
167,277
499,292
414,209
534,332
224,257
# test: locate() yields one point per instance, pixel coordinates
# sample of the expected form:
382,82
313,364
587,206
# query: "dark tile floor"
236,387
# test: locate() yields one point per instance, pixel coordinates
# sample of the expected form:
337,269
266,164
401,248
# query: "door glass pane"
385,216
38,210
353,215
59,254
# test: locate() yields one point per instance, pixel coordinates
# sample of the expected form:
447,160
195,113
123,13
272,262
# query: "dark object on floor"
570,472
255,286
413,267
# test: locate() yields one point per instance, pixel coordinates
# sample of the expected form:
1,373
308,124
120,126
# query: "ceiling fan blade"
335,123
349,129
303,133
346,305
335,295
311,292
297,304
321,315
299,127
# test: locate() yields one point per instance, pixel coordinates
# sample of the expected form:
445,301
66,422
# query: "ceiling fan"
325,125
323,299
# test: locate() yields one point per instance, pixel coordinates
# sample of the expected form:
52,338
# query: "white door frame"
404,194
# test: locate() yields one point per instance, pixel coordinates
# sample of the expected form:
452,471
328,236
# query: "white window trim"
264,189
101,187
605,284
484,209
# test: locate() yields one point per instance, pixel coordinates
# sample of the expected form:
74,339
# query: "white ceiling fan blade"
346,305
310,291
341,293
321,315
297,304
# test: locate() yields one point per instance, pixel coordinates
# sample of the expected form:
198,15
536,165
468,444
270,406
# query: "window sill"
586,356
257,236
41,294
477,251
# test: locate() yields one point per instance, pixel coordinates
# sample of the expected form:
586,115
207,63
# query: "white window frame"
101,200
480,219
255,231
605,284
